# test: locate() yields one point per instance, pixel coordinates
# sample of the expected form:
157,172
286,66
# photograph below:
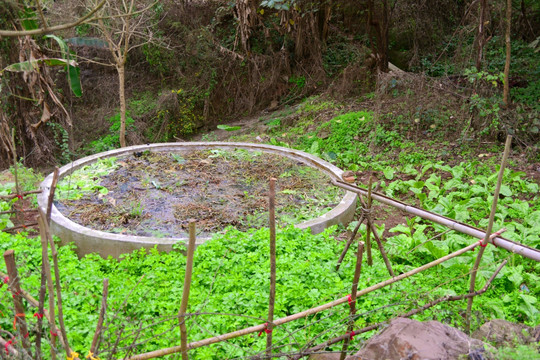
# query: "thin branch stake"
485,241
349,242
46,236
352,303
185,292
15,287
51,194
102,311
272,296
368,229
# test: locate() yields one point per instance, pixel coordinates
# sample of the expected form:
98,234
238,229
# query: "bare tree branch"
47,30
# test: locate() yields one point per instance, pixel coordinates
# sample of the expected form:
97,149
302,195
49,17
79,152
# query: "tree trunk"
120,68
506,91
481,34
324,19
379,24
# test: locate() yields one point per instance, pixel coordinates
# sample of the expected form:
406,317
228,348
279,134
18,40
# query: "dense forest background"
166,70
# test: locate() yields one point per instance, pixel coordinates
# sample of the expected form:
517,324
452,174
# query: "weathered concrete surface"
108,244
415,340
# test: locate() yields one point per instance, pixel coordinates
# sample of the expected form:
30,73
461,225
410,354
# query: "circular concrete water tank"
105,244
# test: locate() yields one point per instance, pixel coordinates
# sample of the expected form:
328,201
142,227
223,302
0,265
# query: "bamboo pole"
368,230
302,314
19,324
272,296
485,241
352,302
506,244
340,338
99,326
185,293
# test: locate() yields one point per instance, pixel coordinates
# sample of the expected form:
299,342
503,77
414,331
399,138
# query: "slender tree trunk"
379,24
324,19
506,91
120,68
481,34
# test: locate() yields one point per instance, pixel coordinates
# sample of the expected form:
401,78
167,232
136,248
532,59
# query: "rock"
348,176
415,340
505,333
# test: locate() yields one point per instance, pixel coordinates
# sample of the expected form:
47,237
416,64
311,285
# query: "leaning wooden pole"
272,296
352,302
349,242
371,225
51,194
185,292
19,323
485,241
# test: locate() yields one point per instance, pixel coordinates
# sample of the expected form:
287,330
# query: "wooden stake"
381,248
47,238
51,194
352,303
185,292
272,297
15,287
102,311
485,241
41,306
349,242
368,229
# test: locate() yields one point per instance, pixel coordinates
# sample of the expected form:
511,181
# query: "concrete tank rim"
346,205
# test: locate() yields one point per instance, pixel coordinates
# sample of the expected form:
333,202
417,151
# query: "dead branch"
48,30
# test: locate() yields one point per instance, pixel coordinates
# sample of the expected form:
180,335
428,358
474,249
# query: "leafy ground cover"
230,287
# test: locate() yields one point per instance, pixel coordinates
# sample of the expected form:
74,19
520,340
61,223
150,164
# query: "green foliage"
520,352
179,117
85,180
228,127
112,140
61,137
340,140
338,54
158,57
142,104
72,70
